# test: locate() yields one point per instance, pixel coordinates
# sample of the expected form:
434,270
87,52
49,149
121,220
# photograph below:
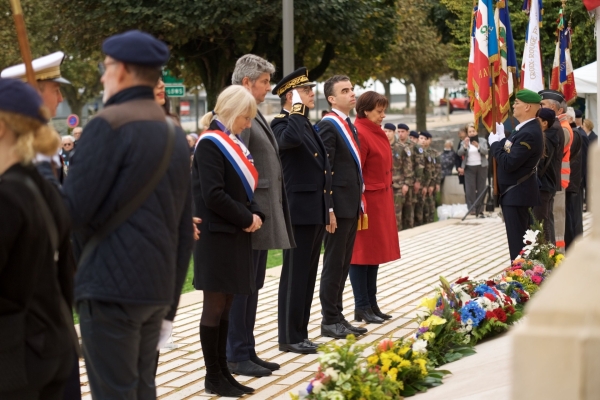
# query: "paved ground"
444,248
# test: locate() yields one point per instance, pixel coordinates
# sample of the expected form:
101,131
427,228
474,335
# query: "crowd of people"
113,212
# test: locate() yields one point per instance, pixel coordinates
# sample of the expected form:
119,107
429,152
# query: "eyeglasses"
68,144
102,66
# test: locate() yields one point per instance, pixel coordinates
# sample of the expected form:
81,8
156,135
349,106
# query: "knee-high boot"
223,329
215,382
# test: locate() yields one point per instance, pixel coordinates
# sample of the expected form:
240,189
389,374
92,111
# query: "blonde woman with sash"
224,179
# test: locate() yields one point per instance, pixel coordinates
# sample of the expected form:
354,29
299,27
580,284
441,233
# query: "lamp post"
288,36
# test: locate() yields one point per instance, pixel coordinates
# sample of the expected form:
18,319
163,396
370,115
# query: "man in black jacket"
548,172
341,142
307,178
573,204
129,287
517,159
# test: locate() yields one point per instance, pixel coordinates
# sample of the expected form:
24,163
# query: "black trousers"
574,217
336,264
545,214
47,377
297,283
242,316
119,347
517,221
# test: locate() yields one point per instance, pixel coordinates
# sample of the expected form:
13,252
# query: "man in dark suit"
254,73
341,142
517,159
307,177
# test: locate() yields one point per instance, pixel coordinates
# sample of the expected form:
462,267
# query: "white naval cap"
46,68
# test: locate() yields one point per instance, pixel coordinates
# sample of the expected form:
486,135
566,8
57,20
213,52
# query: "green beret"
528,96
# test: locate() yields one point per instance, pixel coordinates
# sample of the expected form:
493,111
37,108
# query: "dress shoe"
381,315
367,315
337,331
309,343
218,384
356,329
248,368
300,348
265,364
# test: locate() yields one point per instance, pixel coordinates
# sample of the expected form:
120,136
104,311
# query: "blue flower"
309,389
472,311
483,289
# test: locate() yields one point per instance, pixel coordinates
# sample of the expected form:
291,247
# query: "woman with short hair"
377,240
474,151
224,179
36,264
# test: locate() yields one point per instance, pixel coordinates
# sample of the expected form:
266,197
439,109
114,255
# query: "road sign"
168,78
184,108
72,121
175,90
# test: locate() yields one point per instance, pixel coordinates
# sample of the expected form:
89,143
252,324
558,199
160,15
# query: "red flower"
523,251
489,296
456,316
510,309
462,280
551,252
490,315
490,284
500,314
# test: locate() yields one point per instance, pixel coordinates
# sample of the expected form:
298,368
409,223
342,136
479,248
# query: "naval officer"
517,158
307,178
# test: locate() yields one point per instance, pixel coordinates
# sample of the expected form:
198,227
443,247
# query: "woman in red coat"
379,242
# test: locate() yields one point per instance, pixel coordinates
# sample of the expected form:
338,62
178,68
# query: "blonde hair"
33,136
587,124
234,101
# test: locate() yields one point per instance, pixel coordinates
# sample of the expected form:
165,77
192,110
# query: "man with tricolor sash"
307,178
341,142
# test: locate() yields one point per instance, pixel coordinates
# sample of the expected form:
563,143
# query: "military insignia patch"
408,152
525,144
279,116
421,150
434,160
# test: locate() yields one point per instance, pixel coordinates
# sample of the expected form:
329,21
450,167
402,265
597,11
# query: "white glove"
296,97
500,131
493,138
165,333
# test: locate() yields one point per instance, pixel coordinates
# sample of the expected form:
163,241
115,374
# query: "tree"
45,35
207,37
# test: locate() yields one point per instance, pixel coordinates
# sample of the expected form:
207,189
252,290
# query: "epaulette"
280,116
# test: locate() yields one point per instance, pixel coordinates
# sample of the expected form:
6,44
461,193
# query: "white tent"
587,87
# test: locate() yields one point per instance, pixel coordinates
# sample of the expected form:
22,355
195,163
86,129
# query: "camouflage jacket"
403,165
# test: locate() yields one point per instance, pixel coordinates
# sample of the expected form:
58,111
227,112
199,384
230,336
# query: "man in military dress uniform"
417,162
307,178
402,177
517,159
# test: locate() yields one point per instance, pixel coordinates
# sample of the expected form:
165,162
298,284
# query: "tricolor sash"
346,134
232,151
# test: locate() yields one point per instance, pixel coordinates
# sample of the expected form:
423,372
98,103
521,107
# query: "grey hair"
69,137
571,112
558,105
250,66
449,141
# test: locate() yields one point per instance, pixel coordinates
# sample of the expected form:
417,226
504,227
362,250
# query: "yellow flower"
508,279
435,320
428,336
374,359
392,374
403,350
385,365
428,302
404,364
422,364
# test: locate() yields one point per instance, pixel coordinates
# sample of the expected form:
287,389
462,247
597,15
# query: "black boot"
378,312
223,329
215,382
367,315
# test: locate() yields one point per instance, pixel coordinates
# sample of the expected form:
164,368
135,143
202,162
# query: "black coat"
576,161
146,259
223,255
346,179
549,166
526,150
585,144
306,169
35,292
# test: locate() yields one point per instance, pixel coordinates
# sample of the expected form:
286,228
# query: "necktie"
351,127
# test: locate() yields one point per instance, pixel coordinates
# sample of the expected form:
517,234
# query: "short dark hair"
330,83
324,113
368,101
144,73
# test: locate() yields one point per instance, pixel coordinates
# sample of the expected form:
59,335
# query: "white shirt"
341,114
523,123
474,157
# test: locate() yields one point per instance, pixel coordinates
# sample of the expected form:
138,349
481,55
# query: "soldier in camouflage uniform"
402,178
423,193
417,161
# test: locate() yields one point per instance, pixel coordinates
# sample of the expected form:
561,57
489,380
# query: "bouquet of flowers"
406,363
344,374
439,326
538,249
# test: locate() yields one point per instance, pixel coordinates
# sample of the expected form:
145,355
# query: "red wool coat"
379,243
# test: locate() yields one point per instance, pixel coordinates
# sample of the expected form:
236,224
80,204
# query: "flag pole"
23,41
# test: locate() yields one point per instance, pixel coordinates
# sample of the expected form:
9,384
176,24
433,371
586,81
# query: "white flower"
485,303
530,237
332,373
467,339
317,386
420,346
